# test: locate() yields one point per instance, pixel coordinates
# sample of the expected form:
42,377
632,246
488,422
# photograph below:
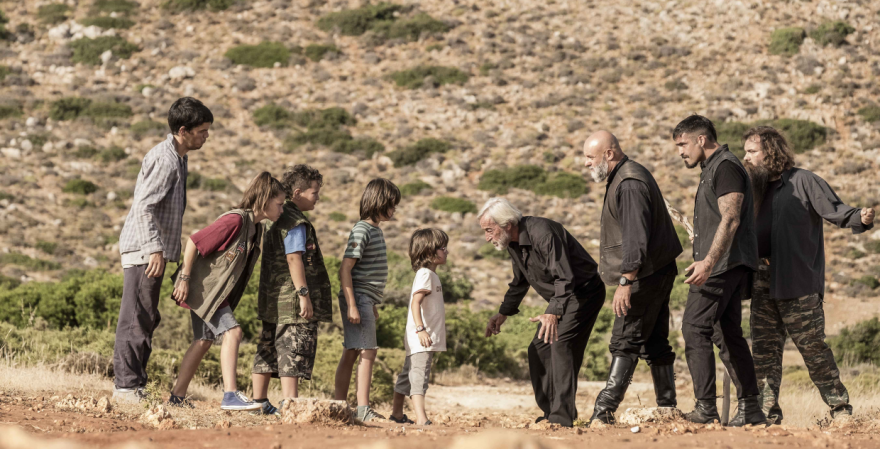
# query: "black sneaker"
404,420
267,409
180,401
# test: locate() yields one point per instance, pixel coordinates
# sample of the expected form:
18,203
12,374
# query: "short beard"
690,165
760,177
503,241
599,172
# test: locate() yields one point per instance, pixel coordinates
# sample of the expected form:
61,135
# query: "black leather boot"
705,412
664,385
748,411
609,398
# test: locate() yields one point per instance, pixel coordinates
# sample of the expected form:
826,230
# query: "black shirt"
729,179
764,221
553,262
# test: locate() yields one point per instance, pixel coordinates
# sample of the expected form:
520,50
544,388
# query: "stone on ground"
638,415
309,410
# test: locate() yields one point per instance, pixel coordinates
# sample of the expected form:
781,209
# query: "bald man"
637,254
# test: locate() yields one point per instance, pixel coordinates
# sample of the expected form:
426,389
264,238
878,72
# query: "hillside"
497,85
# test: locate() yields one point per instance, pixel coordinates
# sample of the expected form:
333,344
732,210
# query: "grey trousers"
138,318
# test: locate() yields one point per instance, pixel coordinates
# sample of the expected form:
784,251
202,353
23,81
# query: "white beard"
599,172
503,242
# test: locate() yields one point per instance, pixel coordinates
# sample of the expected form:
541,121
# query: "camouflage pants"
804,320
287,350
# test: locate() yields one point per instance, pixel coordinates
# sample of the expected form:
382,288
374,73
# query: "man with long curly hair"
789,287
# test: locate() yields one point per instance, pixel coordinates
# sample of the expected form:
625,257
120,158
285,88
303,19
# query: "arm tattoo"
730,206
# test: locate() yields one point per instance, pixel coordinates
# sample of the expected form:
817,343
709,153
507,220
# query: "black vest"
707,216
663,244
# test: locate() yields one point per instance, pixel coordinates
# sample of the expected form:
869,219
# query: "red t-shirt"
219,236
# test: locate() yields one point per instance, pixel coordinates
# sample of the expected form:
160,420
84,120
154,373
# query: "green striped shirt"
367,244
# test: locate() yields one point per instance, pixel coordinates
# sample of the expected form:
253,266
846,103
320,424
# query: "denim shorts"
212,329
363,334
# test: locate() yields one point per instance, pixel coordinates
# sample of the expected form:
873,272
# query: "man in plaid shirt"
150,238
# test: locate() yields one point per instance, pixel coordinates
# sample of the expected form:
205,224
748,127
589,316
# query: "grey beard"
600,172
760,177
503,242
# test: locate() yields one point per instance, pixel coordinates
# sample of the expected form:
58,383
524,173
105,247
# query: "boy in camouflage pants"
294,291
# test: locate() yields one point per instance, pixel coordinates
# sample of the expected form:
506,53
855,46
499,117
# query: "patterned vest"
278,301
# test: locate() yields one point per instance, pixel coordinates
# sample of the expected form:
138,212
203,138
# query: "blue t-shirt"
295,242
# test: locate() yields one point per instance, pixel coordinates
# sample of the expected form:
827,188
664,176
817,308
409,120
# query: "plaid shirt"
156,217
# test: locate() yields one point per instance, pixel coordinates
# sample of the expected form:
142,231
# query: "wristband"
420,328
183,277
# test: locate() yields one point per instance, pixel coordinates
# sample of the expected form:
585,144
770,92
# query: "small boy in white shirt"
425,323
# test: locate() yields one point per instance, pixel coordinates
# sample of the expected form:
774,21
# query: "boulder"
321,411
638,415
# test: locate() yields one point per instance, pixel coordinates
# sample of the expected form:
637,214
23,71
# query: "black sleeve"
729,179
516,291
635,218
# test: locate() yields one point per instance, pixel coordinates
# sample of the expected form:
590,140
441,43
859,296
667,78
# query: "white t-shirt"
433,314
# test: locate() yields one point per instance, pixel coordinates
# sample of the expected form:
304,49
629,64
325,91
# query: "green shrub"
366,144
337,216
676,84
873,246
6,196
8,283
413,188
46,247
80,186
354,22
787,41
194,5
455,288
451,204
111,6
193,180
678,297
27,262
867,280
85,152
320,136
53,13
68,108
100,109
802,135
10,111
272,115
415,77
409,29
731,133
4,70
88,51
215,184
324,118
148,128
683,237
112,154
488,251
107,22
434,47
563,185
857,343
265,54
316,52
870,114
418,151
78,203
499,181
832,33
813,89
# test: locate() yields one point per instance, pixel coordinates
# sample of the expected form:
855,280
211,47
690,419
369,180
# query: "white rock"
78,142
180,72
147,91
60,32
107,56
114,131
47,147
26,145
635,429
111,196
58,222
90,262
14,153
31,122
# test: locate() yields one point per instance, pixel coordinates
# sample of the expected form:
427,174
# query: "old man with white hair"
548,258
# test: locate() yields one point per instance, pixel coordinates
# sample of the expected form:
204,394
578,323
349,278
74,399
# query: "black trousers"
713,315
644,331
138,318
553,368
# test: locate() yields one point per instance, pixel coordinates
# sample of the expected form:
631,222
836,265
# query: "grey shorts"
413,378
363,334
221,322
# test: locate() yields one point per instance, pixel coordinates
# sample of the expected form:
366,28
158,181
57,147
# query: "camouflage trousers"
804,320
287,350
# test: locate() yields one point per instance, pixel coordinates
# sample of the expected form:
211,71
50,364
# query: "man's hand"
354,317
425,339
156,267
867,216
549,327
305,307
181,291
494,326
701,272
621,300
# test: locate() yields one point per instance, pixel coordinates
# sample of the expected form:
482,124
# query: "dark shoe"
403,420
664,385
180,401
609,398
705,412
266,408
540,418
748,411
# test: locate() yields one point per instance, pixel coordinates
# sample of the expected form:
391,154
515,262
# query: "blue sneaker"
266,408
238,401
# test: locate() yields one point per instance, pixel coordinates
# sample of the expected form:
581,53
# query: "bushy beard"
503,241
760,178
599,172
